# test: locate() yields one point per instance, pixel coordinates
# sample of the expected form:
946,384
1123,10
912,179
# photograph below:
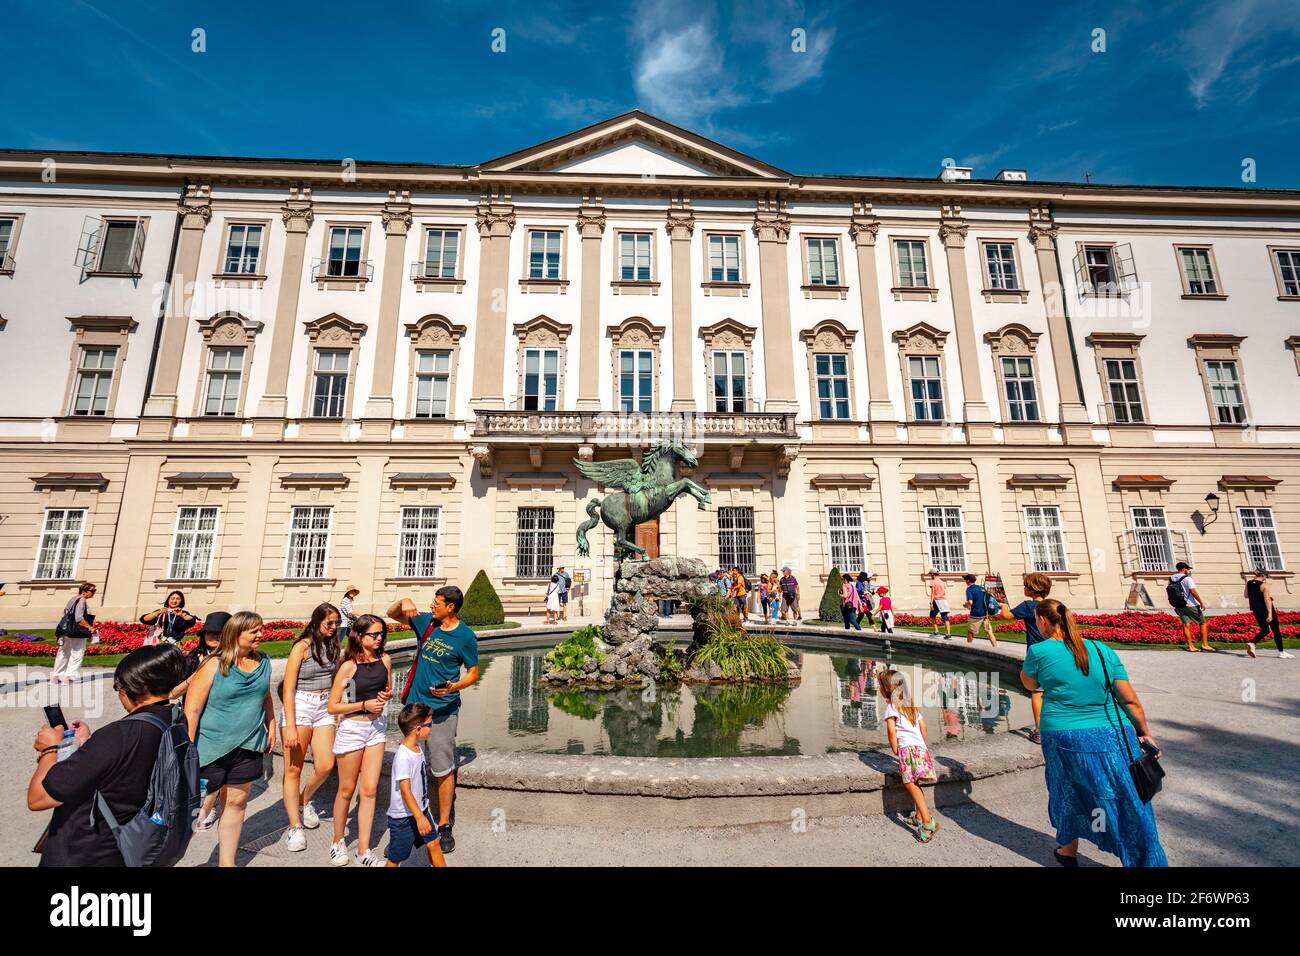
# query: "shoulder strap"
149,719
1110,696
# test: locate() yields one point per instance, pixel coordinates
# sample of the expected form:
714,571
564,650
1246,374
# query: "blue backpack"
160,833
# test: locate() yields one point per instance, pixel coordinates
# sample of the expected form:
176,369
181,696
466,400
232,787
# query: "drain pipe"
167,292
1065,310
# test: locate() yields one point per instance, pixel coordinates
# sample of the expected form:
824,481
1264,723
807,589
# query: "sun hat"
215,622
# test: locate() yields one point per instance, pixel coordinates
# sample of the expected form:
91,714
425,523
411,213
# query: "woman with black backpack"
116,761
73,631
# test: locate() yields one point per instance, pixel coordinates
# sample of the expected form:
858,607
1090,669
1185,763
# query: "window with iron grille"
945,535
543,254
1198,272
243,249
848,537
912,270
535,542
193,543
1151,539
432,384
94,381
1000,257
1021,391
823,262
728,381
926,382
634,256
417,542
309,539
1259,534
345,251
1288,268
329,398
736,539
1046,539
1125,395
724,258
441,247
56,558
636,380
832,385
225,368
1225,392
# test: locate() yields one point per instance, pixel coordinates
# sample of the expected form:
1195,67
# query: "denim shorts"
404,835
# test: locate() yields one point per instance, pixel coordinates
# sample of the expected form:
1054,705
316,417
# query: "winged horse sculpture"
646,491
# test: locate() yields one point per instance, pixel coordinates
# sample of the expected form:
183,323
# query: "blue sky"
1182,94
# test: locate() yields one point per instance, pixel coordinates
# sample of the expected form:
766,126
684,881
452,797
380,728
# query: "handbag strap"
1110,696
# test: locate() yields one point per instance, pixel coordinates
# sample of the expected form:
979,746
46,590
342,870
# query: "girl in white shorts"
308,676
362,686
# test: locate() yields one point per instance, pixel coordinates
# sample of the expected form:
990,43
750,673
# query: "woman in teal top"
1084,756
231,718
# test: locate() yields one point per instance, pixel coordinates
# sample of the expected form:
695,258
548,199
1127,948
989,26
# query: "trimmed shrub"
482,605
829,609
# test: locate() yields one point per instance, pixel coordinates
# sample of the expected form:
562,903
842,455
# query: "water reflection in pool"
834,708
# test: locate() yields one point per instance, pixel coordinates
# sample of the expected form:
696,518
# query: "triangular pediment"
635,144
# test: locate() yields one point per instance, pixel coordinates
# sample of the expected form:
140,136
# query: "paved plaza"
1229,726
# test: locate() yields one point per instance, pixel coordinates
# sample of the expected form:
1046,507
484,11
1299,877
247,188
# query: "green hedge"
829,609
482,605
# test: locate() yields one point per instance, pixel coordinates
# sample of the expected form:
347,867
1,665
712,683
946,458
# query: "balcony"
518,426
1113,413
340,273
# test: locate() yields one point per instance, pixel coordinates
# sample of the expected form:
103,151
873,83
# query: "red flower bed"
1139,627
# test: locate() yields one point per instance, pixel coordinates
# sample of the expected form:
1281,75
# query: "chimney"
1012,176
951,174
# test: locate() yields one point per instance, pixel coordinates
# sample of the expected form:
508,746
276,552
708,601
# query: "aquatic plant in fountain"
723,649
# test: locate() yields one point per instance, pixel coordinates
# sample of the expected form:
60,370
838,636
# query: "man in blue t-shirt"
1037,587
443,646
977,600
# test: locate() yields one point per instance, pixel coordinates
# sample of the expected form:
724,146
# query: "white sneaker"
310,818
1250,648
1285,656
207,823
339,854
295,840
370,859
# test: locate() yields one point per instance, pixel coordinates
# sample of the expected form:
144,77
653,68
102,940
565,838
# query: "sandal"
1212,650
1066,861
912,820
1034,735
927,831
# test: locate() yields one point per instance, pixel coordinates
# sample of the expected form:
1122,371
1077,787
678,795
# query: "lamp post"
1212,502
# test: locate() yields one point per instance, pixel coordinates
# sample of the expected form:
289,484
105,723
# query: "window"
634,256
1198,272
309,540
823,262
1260,536
1151,540
1000,258
225,369
329,397
724,258
1021,393
1099,262
417,543
345,251
1288,270
729,381
736,539
635,381
926,383
432,381
8,230
848,538
1122,387
94,380
119,249
945,536
543,254
56,559
912,270
1225,392
193,543
832,385
535,542
441,247
243,249
1046,540
541,379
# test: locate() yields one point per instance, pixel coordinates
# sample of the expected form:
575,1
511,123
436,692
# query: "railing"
357,271
634,426
1112,413
6,263
1154,550
430,269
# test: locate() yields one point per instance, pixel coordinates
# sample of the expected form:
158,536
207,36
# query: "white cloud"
1227,51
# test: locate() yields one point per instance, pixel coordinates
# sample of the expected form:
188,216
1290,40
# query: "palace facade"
261,381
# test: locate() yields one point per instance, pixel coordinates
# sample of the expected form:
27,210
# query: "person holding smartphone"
446,646
75,630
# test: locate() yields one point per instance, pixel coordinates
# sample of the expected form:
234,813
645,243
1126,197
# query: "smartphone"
54,714
1150,748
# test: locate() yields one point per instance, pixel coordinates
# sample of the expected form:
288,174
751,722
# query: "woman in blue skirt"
1090,793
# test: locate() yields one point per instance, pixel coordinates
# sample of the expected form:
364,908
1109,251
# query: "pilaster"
496,221
297,215
591,227
772,227
397,219
680,228
975,411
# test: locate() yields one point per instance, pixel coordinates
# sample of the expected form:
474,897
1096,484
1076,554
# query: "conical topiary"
829,609
482,605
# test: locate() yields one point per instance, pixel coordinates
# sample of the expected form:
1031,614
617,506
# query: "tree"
482,605
829,609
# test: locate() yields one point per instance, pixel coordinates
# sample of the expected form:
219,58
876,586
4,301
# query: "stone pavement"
1229,726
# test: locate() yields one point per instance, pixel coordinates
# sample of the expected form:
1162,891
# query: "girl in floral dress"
907,739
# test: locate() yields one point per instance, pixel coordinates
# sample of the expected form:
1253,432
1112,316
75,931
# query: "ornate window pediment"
1013,339
727,334
542,330
434,331
829,335
228,328
334,330
921,337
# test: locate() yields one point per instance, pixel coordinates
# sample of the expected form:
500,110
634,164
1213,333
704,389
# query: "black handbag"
1146,772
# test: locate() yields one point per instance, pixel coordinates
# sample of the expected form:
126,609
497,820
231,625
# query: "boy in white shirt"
409,824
